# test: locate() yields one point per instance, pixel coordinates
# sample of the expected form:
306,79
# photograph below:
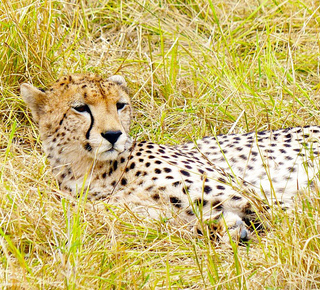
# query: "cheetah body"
277,164
84,124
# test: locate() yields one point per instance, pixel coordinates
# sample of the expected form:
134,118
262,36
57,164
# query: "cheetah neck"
82,172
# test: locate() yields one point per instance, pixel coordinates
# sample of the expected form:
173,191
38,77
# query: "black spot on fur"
185,173
87,147
185,190
200,201
165,157
115,165
292,169
189,212
235,197
217,205
124,181
220,187
132,165
221,179
157,171
288,136
207,189
156,196
176,201
176,184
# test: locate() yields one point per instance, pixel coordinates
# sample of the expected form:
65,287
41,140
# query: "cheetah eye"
120,106
82,108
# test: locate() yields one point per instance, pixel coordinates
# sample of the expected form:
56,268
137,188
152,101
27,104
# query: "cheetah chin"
221,185
111,153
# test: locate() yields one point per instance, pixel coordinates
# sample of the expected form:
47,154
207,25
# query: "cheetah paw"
223,227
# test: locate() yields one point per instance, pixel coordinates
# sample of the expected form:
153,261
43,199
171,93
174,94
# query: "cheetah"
223,182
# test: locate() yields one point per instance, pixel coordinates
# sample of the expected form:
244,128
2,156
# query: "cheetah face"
82,115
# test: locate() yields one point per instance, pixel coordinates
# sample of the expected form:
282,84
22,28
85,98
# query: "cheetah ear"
119,80
35,99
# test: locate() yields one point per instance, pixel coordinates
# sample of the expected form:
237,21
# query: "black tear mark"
61,121
91,125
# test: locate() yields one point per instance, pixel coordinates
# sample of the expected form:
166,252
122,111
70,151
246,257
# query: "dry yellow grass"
194,67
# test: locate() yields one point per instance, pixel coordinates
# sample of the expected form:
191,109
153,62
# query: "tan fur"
84,124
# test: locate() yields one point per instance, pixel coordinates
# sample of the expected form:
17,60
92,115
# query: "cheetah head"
82,116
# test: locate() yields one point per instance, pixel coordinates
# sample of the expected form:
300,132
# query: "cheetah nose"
111,136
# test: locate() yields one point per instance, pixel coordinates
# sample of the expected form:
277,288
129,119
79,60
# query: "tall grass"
194,68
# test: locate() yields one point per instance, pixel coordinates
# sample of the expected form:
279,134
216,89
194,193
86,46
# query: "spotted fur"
219,181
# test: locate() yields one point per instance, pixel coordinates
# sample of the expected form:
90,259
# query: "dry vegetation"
194,67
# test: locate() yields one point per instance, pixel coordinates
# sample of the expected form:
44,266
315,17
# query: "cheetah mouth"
111,151
108,151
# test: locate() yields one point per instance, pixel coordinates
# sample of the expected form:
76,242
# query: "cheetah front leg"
233,218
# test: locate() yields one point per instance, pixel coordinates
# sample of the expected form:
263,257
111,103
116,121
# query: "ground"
194,70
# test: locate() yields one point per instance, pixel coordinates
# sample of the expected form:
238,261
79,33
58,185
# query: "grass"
194,68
